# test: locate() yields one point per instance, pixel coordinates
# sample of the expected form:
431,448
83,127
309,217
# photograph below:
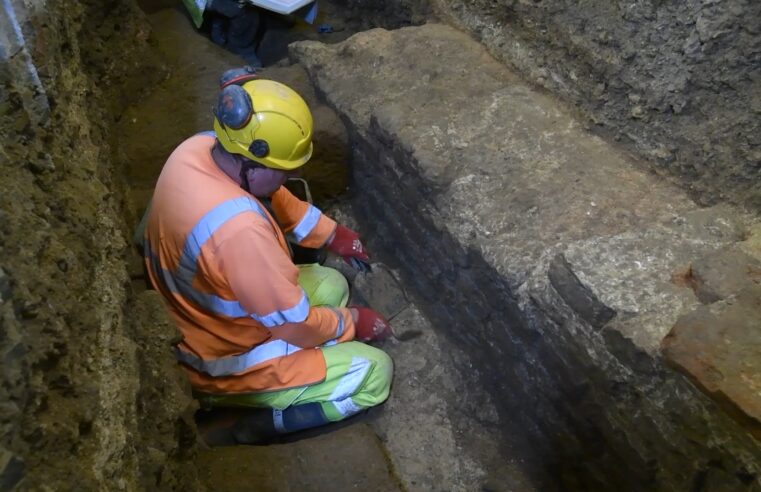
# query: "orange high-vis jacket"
223,266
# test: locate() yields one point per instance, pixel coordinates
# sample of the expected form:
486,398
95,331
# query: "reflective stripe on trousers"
358,377
348,385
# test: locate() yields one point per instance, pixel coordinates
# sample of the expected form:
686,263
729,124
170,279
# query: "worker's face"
263,181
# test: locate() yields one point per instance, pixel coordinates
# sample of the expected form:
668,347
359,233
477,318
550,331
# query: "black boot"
232,426
228,427
256,427
261,426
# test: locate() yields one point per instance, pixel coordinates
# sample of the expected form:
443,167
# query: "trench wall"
589,410
557,277
679,83
88,394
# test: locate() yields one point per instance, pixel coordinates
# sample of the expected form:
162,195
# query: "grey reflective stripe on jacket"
180,281
306,225
234,364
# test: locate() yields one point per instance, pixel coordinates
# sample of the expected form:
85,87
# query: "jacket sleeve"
264,280
305,224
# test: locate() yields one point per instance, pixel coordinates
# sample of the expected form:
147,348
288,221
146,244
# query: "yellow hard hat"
265,121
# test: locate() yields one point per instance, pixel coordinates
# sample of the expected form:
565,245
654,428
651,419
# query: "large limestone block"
485,192
511,175
507,171
634,282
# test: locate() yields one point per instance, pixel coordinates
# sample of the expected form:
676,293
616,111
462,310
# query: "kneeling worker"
260,332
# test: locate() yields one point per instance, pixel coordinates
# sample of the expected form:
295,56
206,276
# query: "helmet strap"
245,167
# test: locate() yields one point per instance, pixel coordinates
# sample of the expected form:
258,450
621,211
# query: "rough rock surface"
539,250
678,82
650,259
719,347
72,386
724,273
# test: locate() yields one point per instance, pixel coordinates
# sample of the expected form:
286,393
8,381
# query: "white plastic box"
281,6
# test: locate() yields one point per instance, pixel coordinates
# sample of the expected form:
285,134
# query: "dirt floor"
346,459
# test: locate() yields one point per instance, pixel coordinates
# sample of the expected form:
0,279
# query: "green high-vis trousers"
358,375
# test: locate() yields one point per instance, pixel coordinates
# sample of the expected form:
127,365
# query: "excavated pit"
527,361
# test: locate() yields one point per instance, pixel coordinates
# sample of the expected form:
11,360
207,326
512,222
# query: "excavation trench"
507,240
451,388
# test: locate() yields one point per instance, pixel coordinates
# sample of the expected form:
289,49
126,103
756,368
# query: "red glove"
346,243
369,325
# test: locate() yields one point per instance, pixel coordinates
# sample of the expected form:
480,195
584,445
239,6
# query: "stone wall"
87,398
558,277
677,82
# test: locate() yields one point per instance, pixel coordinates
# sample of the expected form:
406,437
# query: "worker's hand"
346,243
369,326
